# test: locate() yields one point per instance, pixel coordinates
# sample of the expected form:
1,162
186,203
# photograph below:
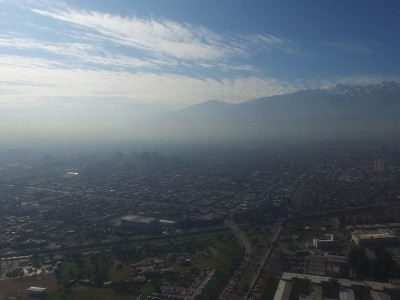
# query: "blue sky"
177,53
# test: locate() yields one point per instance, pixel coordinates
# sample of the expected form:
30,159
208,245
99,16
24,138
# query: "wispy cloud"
158,36
39,81
90,56
33,81
269,42
352,80
80,52
366,79
353,47
230,67
166,37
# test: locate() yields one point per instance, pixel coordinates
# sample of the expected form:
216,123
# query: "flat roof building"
34,290
323,243
141,224
346,294
362,238
375,295
283,290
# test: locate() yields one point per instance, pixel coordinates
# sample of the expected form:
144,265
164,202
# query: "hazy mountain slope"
340,111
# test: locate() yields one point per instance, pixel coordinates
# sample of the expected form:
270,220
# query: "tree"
383,264
57,273
359,262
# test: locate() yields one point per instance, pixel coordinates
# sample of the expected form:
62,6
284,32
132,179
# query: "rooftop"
141,219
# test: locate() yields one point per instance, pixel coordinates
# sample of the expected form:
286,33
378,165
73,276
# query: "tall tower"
379,165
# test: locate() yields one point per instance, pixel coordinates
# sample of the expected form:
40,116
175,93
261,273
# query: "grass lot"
293,246
18,286
72,268
94,267
202,262
308,229
147,289
228,254
116,275
199,261
79,292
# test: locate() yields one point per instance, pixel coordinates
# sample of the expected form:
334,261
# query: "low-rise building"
324,243
362,238
346,294
141,224
34,290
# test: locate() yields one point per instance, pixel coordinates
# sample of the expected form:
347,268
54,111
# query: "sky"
88,68
175,53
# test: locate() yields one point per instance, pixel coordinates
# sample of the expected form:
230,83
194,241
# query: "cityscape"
229,223
199,150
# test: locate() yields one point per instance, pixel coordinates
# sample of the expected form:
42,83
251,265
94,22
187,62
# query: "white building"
140,223
323,243
34,290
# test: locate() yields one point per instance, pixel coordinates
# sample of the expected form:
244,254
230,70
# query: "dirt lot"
17,287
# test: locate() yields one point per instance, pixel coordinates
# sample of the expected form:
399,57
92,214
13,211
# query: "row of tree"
381,267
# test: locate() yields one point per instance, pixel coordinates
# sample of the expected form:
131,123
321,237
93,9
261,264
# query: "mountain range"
338,111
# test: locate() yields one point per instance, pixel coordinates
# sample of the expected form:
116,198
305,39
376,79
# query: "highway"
241,236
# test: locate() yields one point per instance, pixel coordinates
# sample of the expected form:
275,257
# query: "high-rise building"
379,165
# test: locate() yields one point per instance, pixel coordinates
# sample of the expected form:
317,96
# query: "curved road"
240,235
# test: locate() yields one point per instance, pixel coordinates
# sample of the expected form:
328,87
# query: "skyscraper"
379,165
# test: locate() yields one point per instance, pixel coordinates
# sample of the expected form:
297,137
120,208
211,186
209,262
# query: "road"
241,236
277,230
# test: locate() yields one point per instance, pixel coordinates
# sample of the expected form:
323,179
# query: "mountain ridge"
340,110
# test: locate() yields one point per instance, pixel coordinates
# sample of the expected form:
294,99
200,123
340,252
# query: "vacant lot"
18,286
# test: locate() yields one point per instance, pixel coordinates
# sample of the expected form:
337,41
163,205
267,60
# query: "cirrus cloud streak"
39,81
